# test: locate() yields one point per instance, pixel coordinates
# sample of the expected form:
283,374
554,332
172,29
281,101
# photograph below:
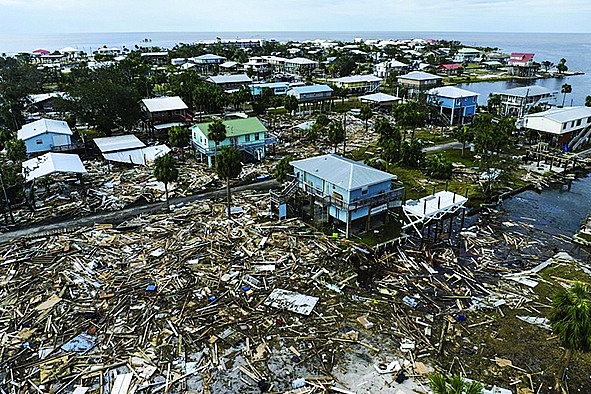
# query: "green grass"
433,138
455,156
338,106
528,347
385,233
277,111
410,178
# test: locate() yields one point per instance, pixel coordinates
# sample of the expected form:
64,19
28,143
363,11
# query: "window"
247,138
579,122
589,119
364,190
564,126
39,142
572,124
257,136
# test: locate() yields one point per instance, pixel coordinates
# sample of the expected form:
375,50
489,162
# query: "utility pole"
6,200
344,132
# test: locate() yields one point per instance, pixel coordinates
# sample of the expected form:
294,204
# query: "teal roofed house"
247,135
346,190
278,88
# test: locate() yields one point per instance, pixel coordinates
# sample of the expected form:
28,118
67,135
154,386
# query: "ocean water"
575,48
556,210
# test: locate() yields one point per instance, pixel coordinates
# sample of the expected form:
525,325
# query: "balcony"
394,194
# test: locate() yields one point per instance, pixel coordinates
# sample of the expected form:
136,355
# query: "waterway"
577,97
555,210
545,220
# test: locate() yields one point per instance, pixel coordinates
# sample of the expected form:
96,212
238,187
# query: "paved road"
449,145
124,214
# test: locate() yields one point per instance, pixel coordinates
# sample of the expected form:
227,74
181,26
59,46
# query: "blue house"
45,135
456,106
278,88
247,135
347,190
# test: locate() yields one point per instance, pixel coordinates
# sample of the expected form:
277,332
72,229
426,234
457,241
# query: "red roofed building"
521,59
522,64
449,69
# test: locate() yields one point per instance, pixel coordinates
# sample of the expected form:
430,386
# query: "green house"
247,135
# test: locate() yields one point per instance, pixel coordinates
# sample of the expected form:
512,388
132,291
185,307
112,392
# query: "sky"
86,16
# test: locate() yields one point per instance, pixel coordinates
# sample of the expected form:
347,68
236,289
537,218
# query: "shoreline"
451,81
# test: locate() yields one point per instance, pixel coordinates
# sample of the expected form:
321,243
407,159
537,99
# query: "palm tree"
179,137
365,114
561,66
494,103
464,135
570,319
291,104
336,134
165,170
547,64
216,131
229,166
455,385
566,88
283,169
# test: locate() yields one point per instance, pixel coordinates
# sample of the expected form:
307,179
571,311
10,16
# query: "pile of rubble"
194,302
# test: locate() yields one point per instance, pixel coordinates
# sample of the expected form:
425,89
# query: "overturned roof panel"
50,163
118,143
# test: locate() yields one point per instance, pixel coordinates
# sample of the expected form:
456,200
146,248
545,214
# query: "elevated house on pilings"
247,135
519,101
159,114
312,97
456,106
433,211
566,129
523,65
345,191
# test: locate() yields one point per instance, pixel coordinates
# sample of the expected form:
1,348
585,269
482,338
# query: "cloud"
58,16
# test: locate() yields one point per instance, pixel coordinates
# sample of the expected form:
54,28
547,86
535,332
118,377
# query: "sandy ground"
359,375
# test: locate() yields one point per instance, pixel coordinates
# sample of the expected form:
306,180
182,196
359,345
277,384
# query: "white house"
518,101
564,128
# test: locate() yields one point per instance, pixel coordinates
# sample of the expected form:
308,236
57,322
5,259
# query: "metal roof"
138,156
524,91
300,60
42,126
451,92
37,98
358,78
209,56
270,85
562,115
342,172
236,127
121,142
160,104
50,163
311,89
379,97
221,79
228,64
419,76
